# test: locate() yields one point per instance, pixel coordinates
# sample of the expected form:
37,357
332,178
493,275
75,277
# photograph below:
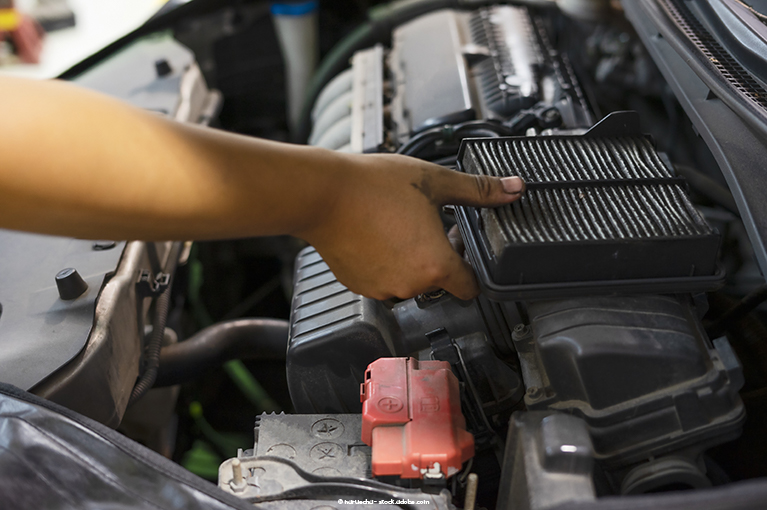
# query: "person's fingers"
452,187
456,241
28,40
460,280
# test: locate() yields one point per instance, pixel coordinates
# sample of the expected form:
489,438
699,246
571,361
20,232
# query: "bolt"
520,332
533,392
551,115
426,298
238,482
471,492
237,471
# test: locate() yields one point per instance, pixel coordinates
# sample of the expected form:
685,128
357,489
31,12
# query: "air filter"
603,213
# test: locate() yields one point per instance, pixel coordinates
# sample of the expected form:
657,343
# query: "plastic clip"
147,285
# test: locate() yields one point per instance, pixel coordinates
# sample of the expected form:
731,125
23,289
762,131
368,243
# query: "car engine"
617,348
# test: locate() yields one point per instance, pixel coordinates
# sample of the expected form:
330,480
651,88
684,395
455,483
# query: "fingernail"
513,185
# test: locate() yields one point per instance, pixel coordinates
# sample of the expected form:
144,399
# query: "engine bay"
617,349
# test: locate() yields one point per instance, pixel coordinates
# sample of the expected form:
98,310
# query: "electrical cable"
737,312
708,187
161,309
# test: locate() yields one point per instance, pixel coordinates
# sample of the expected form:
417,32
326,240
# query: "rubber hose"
418,142
708,187
337,86
738,311
471,129
415,151
161,309
376,30
340,107
255,339
335,62
338,135
478,133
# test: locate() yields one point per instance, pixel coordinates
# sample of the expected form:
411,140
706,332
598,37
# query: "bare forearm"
76,163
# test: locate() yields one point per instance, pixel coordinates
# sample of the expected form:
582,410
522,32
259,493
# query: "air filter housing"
603,212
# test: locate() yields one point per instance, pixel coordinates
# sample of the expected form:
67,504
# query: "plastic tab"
411,416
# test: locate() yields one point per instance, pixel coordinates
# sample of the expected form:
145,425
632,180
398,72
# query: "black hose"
714,472
448,161
429,136
453,133
737,312
377,29
261,339
161,309
708,187
417,149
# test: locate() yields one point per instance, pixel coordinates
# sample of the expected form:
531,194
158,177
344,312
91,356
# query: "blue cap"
294,8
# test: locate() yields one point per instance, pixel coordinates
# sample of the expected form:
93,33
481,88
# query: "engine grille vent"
506,78
720,58
485,33
600,213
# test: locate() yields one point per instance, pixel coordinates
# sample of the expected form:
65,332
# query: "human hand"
382,235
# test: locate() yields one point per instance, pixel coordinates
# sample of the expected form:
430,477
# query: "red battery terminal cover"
411,416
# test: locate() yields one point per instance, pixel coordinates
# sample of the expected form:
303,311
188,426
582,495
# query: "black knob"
163,68
71,285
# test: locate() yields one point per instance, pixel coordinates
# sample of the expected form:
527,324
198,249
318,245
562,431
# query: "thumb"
460,280
457,188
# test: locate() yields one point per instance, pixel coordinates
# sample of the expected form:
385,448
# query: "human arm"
81,164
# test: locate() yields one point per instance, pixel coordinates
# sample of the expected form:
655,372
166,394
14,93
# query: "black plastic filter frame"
534,291
533,265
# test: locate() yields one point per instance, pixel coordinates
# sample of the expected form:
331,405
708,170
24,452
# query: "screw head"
521,332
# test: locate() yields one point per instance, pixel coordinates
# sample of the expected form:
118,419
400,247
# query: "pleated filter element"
599,211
